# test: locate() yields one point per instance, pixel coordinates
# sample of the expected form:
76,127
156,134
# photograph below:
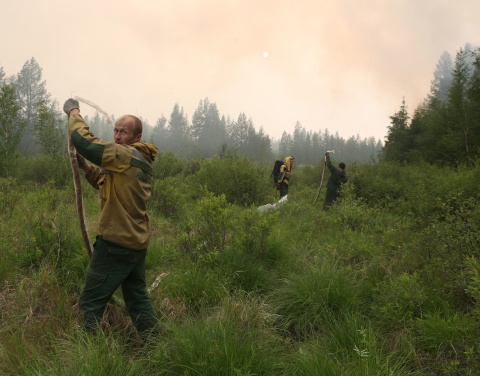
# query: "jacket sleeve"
92,176
330,166
108,155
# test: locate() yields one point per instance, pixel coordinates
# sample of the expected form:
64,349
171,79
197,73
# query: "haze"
341,65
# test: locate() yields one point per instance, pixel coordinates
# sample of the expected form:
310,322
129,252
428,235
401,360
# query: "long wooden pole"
77,183
321,182
77,179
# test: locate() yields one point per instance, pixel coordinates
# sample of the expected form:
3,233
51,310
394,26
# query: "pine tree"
12,126
31,93
398,142
442,78
456,139
178,131
207,130
239,133
49,129
160,133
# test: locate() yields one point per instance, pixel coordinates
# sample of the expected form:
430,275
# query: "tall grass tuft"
82,354
313,359
244,272
442,331
34,309
235,339
195,287
305,302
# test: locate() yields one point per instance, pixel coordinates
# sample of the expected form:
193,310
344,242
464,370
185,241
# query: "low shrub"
242,181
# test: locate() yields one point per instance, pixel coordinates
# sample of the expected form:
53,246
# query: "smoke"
332,64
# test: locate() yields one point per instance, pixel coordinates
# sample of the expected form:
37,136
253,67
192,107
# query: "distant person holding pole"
284,175
338,176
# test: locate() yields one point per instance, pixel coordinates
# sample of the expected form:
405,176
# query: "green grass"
385,283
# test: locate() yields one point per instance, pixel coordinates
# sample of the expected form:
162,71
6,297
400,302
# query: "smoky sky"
341,65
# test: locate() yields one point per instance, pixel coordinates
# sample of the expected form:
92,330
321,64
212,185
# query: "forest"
445,128
32,123
385,282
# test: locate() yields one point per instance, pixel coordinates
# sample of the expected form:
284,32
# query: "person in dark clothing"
338,176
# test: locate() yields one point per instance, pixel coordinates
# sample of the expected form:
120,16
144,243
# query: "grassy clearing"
385,283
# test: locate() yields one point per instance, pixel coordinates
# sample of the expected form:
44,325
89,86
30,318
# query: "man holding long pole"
338,176
124,180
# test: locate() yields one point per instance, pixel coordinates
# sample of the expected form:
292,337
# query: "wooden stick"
321,182
77,183
77,180
156,282
110,119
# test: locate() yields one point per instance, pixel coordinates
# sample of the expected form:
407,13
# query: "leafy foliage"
241,180
207,227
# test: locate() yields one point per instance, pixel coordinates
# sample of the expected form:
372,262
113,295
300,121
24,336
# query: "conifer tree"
456,138
397,144
442,78
31,92
239,133
207,130
12,126
159,135
49,130
178,131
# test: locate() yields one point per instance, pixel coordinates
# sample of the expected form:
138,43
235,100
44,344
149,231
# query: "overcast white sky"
344,65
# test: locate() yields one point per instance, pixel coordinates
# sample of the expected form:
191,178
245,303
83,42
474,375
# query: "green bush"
473,284
239,179
451,237
10,195
45,169
450,339
398,301
252,231
166,198
206,228
167,164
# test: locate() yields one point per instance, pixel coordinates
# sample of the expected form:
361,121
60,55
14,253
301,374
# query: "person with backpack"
338,176
283,176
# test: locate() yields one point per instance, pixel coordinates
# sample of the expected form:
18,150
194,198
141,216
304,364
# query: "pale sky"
344,65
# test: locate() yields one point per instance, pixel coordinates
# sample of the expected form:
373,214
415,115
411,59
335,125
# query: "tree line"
445,127
32,123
